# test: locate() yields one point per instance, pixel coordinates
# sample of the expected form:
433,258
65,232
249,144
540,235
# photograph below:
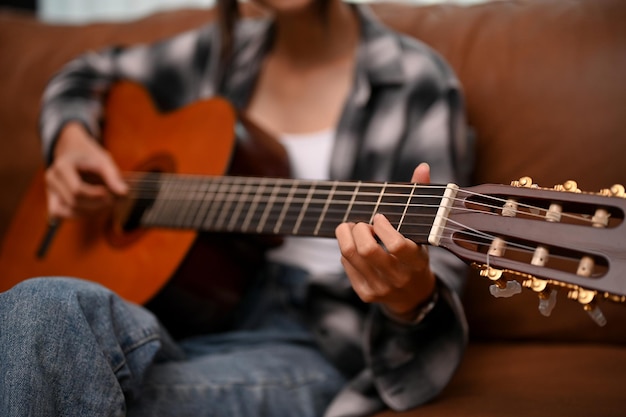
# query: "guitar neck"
282,206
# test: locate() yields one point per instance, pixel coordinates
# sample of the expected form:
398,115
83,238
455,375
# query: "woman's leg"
248,374
72,348
269,366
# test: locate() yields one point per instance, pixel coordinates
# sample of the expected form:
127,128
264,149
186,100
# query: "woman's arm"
171,70
412,362
73,110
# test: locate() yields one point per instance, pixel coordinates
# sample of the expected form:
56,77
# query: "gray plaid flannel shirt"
405,107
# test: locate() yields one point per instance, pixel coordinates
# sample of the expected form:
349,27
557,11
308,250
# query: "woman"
349,99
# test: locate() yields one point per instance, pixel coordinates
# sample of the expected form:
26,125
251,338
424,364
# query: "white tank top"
309,156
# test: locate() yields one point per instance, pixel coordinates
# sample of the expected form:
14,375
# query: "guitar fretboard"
282,206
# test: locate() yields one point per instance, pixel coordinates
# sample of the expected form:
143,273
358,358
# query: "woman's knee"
50,291
38,301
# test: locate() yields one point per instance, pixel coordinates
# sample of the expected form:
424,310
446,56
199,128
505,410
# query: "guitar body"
141,264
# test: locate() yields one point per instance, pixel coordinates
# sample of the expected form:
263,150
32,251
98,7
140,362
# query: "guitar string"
511,246
328,214
237,196
315,208
526,248
243,181
232,197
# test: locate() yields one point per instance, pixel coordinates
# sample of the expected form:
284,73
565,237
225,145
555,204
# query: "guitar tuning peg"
501,287
587,298
596,314
547,295
616,190
509,289
571,186
547,302
524,182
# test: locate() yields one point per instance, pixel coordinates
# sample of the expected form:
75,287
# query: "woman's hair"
228,12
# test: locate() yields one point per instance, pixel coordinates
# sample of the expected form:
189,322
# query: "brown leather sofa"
545,85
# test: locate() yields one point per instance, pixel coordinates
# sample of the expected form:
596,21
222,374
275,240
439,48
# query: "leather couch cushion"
522,380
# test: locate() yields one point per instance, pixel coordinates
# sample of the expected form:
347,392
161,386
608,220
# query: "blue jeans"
73,348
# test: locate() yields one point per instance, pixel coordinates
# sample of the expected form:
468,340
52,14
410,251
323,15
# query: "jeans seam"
134,346
289,385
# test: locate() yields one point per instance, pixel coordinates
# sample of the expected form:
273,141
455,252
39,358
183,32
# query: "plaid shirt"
405,107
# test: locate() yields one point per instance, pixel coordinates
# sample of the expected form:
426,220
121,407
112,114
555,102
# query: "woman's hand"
82,178
395,273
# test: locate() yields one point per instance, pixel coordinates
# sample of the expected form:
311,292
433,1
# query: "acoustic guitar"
197,190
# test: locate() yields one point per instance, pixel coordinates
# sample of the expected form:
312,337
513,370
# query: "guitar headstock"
547,240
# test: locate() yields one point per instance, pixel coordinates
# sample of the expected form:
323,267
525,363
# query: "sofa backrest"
545,93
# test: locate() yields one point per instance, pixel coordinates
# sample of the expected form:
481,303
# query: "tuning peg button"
547,302
587,299
500,286
523,182
510,289
596,314
618,190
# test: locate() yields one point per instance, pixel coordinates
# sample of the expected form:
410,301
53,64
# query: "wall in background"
82,11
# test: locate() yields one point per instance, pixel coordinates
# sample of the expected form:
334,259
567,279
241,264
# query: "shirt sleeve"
171,70
411,364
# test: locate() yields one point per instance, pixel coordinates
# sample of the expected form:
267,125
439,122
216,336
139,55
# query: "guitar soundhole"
144,185
146,190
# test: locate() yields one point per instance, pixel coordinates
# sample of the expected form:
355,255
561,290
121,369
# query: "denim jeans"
73,348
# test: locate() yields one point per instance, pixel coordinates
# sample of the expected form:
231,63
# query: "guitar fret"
202,202
256,201
189,203
325,209
420,222
211,204
307,201
349,209
287,205
219,197
229,200
380,196
315,201
205,201
365,202
406,207
183,202
269,206
336,209
396,205
242,200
